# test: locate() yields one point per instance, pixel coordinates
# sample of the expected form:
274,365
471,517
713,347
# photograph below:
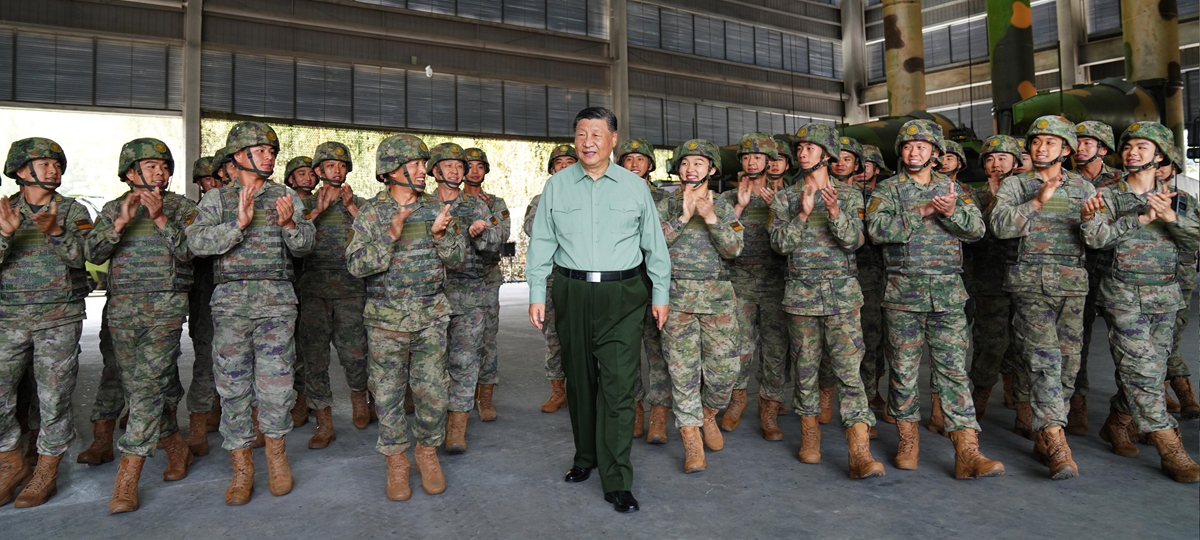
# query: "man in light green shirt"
598,223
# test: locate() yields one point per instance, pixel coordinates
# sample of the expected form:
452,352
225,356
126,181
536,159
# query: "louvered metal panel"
531,13
820,58
711,122
770,122
1191,95
961,41
113,67
741,122
436,97
768,48
484,10
875,65
367,96
1103,16
599,99
709,36
524,109
310,89
562,105
643,24
445,7
216,81
682,87
739,42
175,78
1187,8
419,91
392,92
249,85
837,61
73,70
568,16
339,94
680,122
53,69
677,32
795,53
792,123
1045,23
598,18
265,86
646,118
148,76
937,47
6,64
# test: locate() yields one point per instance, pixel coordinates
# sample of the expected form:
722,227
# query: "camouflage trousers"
252,361
27,403
1176,367
554,369
321,322
762,332
1140,343
489,367
702,359
838,338
398,361
990,336
1090,311
202,392
148,357
945,332
656,389
55,364
465,337
1049,331
873,364
110,393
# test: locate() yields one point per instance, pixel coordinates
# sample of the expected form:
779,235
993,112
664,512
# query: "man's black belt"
597,277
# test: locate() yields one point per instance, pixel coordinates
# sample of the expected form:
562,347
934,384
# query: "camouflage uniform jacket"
466,288
150,269
984,261
215,233
491,259
404,278
44,287
1141,273
822,272
1186,274
923,256
530,211
758,273
1046,252
700,256
871,274
325,274
1107,177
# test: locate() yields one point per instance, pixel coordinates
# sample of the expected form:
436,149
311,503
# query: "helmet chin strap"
36,181
417,188
144,185
253,168
1082,162
1051,163
916,168
753,176
455,185
473,184
841,177
805,171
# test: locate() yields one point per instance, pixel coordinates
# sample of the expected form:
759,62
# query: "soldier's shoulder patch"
192,216
495,221
770,215
83,224
504,213
862,213
308,216
873,205
737,225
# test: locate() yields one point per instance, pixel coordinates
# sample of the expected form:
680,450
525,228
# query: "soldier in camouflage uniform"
1038,213
921,220
252,228
778,168
489,370
1179,377
1138,220
109,401
983,276
140,235
1026,163
953,160
203,406
465,288
637,156
699,336
402,248
757,275
1095,142
817,223
871,279
42,289
299,175
561,157
331,299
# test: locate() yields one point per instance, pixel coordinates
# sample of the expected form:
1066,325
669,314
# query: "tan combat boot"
432,480
1172,405
1189,408
826,397
214,418
483,402
1023,425
862,463
810,440
279,471
908,452
43,485
1008,391
359,412
179,456
241,486
14,472
1176,462
712,434
409,408
1050,447
324,434
300,410
693,460
125,487
936,423
657,433
979,397
101,450
558,397
969,462
1116,433
768,420
639,420
733,414
397,478
259,438
197,439
1077,420
456,432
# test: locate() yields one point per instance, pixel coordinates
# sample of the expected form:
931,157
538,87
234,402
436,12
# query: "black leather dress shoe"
578,474
622,501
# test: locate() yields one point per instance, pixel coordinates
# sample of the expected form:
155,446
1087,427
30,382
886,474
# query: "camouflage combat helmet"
821,135
139,149
560,151
1052,125
1153,132
871,154
1176,157
1000,144
447,152
921,130
25,150
637,146
784,147
247,134
394,152
1097,130
293,164
203,167
476,154
758,142
952,147
698,147
332,150
855,148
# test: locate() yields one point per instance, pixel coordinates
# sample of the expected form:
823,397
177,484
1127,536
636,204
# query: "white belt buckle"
593,277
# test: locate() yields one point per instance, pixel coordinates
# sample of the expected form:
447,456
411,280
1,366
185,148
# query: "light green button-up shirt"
604,225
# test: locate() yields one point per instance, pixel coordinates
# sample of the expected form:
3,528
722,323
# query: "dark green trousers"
600,327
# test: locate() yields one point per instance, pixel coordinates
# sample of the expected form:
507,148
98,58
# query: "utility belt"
599,277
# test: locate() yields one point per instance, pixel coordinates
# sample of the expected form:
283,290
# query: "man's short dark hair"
596,113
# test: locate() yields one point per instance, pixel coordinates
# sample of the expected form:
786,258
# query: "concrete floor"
509,483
